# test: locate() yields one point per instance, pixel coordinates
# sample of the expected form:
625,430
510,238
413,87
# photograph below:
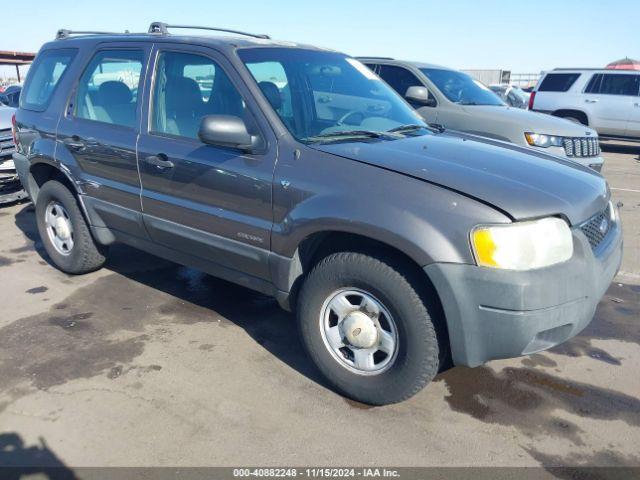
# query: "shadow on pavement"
176,294
19,461
191,296
630,149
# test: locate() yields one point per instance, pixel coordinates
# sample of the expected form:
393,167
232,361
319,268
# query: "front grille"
7,146
581,146
597,228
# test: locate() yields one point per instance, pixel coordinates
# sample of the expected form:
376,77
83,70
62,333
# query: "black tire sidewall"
74,262
416,362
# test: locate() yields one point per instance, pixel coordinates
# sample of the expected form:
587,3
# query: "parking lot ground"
149,363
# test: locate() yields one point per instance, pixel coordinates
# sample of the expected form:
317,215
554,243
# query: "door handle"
588,100
160,161
74,143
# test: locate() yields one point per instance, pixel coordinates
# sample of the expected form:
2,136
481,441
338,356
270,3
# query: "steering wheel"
344,117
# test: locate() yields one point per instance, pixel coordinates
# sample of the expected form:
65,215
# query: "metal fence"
497,76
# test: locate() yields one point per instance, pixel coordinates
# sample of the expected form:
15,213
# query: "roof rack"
64,33
162,28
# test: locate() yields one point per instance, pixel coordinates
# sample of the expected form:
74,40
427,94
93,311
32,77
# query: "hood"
513,179
529,121
5,117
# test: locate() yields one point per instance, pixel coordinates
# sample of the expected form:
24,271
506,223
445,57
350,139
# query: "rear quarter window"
558,82
43,78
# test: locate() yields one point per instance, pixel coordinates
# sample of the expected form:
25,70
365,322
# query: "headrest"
183,93
114,93
272,92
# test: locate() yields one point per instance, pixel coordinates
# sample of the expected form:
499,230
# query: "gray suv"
455,100
295,171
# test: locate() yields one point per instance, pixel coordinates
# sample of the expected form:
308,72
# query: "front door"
99,130
203,200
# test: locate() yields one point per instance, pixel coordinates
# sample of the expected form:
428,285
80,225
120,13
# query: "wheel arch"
569,112
319,245
42,171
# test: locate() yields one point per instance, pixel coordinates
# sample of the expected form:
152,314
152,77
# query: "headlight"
523,245
544,141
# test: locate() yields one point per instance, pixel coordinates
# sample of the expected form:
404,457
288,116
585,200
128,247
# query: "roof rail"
64,33
162,28
590,69
375,58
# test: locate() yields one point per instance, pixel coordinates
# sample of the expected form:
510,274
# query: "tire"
84,255
417,353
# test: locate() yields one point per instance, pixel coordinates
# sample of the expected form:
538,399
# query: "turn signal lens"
523,245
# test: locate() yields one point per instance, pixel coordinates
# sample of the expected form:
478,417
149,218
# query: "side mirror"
226,131
420,95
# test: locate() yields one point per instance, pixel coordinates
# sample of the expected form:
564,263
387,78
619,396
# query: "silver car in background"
10,188
512,95
456,101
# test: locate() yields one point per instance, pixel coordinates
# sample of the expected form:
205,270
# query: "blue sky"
521,36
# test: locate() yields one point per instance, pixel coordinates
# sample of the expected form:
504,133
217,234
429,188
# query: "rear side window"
108,88
620,84
44,76
594,84
558,82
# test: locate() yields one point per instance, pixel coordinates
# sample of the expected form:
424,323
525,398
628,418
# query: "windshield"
460,88
521,94
326,95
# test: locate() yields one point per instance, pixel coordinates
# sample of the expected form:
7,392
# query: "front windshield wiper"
413,127
351,133
481,104
407,128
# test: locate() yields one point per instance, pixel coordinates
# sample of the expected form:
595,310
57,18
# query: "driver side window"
400,79
187,87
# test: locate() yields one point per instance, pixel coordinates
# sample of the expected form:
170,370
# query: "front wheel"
367,328
64,231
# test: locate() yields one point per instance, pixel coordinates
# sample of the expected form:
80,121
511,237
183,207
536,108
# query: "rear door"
99,131
633,126
203,200
609,99
557,91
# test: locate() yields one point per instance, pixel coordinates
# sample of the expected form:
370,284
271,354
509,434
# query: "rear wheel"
367,329
64,231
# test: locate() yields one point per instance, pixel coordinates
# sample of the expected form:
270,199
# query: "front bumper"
494,313
10,187
595,163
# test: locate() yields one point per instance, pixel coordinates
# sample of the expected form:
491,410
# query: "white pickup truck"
606,100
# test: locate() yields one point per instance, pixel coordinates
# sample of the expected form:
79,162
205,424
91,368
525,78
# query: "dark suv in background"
297,172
